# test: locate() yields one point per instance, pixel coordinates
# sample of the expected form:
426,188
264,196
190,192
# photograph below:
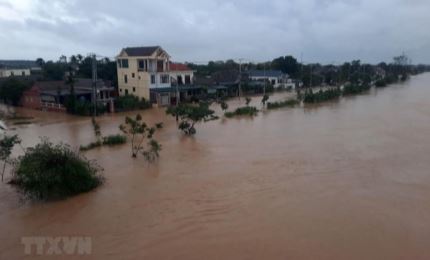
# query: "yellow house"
141,69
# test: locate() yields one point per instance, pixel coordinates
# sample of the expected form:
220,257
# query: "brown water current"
343,180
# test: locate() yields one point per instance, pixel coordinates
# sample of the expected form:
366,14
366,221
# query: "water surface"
342,180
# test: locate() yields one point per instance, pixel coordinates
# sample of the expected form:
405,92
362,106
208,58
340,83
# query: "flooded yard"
343,180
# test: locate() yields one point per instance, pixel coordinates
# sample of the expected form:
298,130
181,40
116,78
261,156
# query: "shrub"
49,171
321,96
83,108
243,111
131,102
352,89
286,103
380,83
114,140
90,146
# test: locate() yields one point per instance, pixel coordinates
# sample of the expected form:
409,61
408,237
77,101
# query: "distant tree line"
316,74
81,65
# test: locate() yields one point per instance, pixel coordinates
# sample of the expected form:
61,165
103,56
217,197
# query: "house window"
125,63
126,91
141,65
187,79
23,73
120,90
119,64
164,79
134,89
179,79
132,75
125,79
152,79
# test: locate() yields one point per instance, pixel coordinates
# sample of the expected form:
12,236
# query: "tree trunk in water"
4,168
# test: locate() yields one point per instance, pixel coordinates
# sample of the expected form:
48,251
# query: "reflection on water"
343,180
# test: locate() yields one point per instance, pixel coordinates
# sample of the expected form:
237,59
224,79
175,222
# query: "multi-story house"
142,70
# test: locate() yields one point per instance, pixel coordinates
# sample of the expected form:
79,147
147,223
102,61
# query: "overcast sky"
324,31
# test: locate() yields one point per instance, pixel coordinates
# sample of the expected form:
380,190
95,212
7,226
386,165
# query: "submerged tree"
264,99
248,100
6,145
97,130
190,115
139,131
224,105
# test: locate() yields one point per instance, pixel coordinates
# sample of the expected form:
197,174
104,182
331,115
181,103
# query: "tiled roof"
179,67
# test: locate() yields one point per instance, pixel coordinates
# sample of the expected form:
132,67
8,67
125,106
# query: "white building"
275,77
11,72
181,74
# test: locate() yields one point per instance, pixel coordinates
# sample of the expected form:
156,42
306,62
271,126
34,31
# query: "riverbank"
346,179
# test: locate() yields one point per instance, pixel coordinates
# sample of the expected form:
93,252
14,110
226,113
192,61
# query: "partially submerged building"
53,95
147,72
141,69
276,78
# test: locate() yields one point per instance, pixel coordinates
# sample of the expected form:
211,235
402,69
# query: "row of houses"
147,72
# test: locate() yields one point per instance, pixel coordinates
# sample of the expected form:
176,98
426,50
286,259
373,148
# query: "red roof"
179,67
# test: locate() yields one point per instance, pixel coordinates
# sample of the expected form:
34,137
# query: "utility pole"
94,79
240,78
265,80
301,70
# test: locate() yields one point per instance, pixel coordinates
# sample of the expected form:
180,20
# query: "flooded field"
343,180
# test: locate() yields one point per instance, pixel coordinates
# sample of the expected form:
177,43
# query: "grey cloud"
192,30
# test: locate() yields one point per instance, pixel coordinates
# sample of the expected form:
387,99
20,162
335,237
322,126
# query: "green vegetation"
190,115
49,171
279,104
90,146
131,102
380,83
7,143
109,140
12,89
139,131
83,108
112,140
321,95
243,111
352,89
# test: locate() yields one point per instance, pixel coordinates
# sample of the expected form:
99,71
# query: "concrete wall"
4,73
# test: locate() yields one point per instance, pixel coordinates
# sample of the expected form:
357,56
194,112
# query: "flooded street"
343,180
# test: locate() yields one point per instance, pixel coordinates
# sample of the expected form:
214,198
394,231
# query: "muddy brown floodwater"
343,180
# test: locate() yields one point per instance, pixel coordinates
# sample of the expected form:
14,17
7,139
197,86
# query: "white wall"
14,72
